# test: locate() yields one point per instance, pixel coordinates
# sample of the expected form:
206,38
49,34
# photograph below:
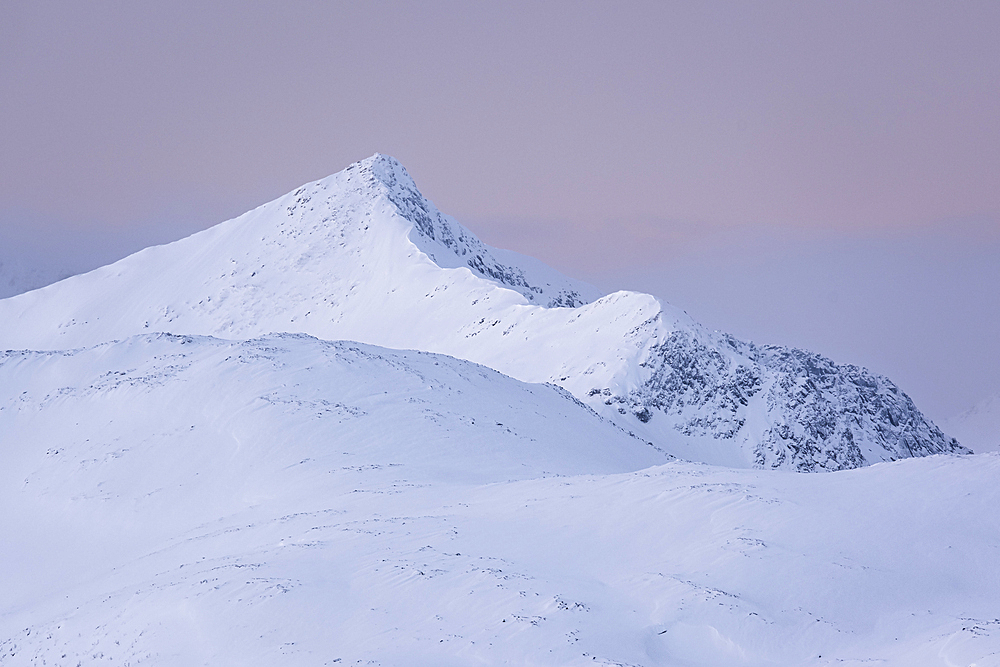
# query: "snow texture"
180,500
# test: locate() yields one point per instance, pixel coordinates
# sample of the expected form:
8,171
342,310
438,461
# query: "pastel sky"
822,174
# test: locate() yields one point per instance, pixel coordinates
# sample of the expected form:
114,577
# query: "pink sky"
648,145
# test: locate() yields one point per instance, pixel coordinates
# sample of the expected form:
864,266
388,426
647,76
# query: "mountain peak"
450,245
386,170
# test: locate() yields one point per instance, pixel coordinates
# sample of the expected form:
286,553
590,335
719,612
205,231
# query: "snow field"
337,503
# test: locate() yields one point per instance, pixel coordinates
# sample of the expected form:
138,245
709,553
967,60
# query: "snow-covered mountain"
485,479
362,255
184,500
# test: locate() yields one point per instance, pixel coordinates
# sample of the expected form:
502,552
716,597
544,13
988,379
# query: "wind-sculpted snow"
182,500
362,255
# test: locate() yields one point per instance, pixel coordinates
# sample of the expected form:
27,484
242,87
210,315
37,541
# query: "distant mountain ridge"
362,255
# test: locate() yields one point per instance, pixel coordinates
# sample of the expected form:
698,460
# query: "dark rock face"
834,413
792,409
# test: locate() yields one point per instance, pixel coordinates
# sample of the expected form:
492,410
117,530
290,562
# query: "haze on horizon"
820,175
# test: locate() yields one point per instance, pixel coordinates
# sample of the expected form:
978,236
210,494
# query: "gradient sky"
822,174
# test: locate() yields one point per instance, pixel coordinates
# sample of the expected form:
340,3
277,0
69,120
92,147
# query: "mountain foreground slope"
185,500
362,255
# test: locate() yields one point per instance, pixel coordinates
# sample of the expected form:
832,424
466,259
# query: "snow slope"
183,500
362,255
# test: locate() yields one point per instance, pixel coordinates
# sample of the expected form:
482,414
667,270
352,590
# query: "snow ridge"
432,225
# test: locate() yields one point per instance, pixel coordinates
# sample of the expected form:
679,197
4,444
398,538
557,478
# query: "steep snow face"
182,500
362,255
536,282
